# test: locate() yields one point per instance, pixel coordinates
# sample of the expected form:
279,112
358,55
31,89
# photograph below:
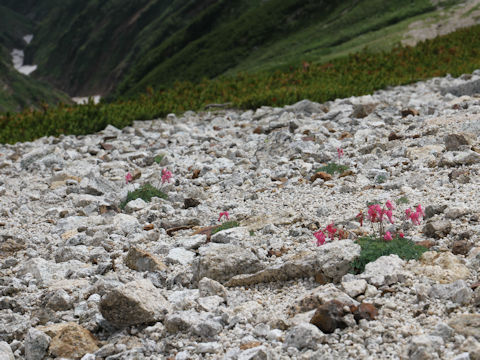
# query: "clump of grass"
158,159
146,192
332,168
402,200
380,179
226,225
372,249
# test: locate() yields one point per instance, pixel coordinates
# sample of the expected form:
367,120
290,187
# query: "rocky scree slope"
80,279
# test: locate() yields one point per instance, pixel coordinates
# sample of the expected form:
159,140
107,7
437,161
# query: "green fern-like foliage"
372,249
146,192
226,225
332,168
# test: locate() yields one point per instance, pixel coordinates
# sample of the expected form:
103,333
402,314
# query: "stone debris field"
82,277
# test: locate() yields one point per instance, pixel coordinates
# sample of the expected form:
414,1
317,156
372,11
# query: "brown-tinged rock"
467,325
258,130
409,111
346,173
461,247
426,243
460,175
190,203
329,316
137,302
250,345
196,173
321,175
394,136
453,142
361,111
148,227
443,267
136,174
437,229
365,311
141,260
70,340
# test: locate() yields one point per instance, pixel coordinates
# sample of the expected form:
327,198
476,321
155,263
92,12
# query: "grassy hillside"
353,75
121,47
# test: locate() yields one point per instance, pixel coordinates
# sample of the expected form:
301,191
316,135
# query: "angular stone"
135,205
361,111
321,175
303,336
136,302
307,107
322,295
141,260
442,267
454,141
329,316
222,261
459,158
180,256
437,229
36,344
127,223
458,292
467,325
423,346
209,287
192,242
409,111
386,270
47,272
255,353
355,287
236,236
461,247
330,261
69,340
6,352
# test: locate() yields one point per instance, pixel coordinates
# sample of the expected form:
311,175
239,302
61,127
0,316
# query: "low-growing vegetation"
372,249
146,192
226,225
353,75
332,168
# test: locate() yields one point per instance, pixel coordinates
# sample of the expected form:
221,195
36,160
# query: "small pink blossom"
320,236
408,212
420,210
388,236
389,205
401,235
372,213
340,152
390,216
224,213
166,176
415,217
128,178
331,230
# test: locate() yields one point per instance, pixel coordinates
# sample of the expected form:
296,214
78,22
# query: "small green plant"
402,200
332,168
226,225
380,179
372,249
158,159
146,192
252,233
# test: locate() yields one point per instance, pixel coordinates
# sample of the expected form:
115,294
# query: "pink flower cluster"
128,178
415,216
166,176
224,213
376,213
340,152
330,230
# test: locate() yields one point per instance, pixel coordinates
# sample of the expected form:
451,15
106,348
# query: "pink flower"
415,217
389,215
320,236
360,218
389,205
372,213
388,236
408,212
166,176
128,178
225,213
340,152
420,210
331,230
401,235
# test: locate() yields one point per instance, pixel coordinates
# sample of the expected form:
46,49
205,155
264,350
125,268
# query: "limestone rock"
303,336
141,260
180,256
458,292
222,261
69,340
467,325
6,352
322,295
442,267
136,302
437,229
422,347
234,236
386,270
354,288
209,287
454,141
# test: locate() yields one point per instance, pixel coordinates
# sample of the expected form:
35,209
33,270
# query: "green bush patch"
372,249
145,192
332,168
158,159
225,226
402,200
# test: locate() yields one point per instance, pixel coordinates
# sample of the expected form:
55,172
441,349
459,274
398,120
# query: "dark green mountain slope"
122,47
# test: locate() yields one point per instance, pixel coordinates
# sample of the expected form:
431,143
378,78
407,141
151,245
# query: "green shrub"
145,192
372,249
158,159
226,225
402,200
332,168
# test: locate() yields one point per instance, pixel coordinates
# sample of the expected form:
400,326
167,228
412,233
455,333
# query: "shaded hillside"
122,47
